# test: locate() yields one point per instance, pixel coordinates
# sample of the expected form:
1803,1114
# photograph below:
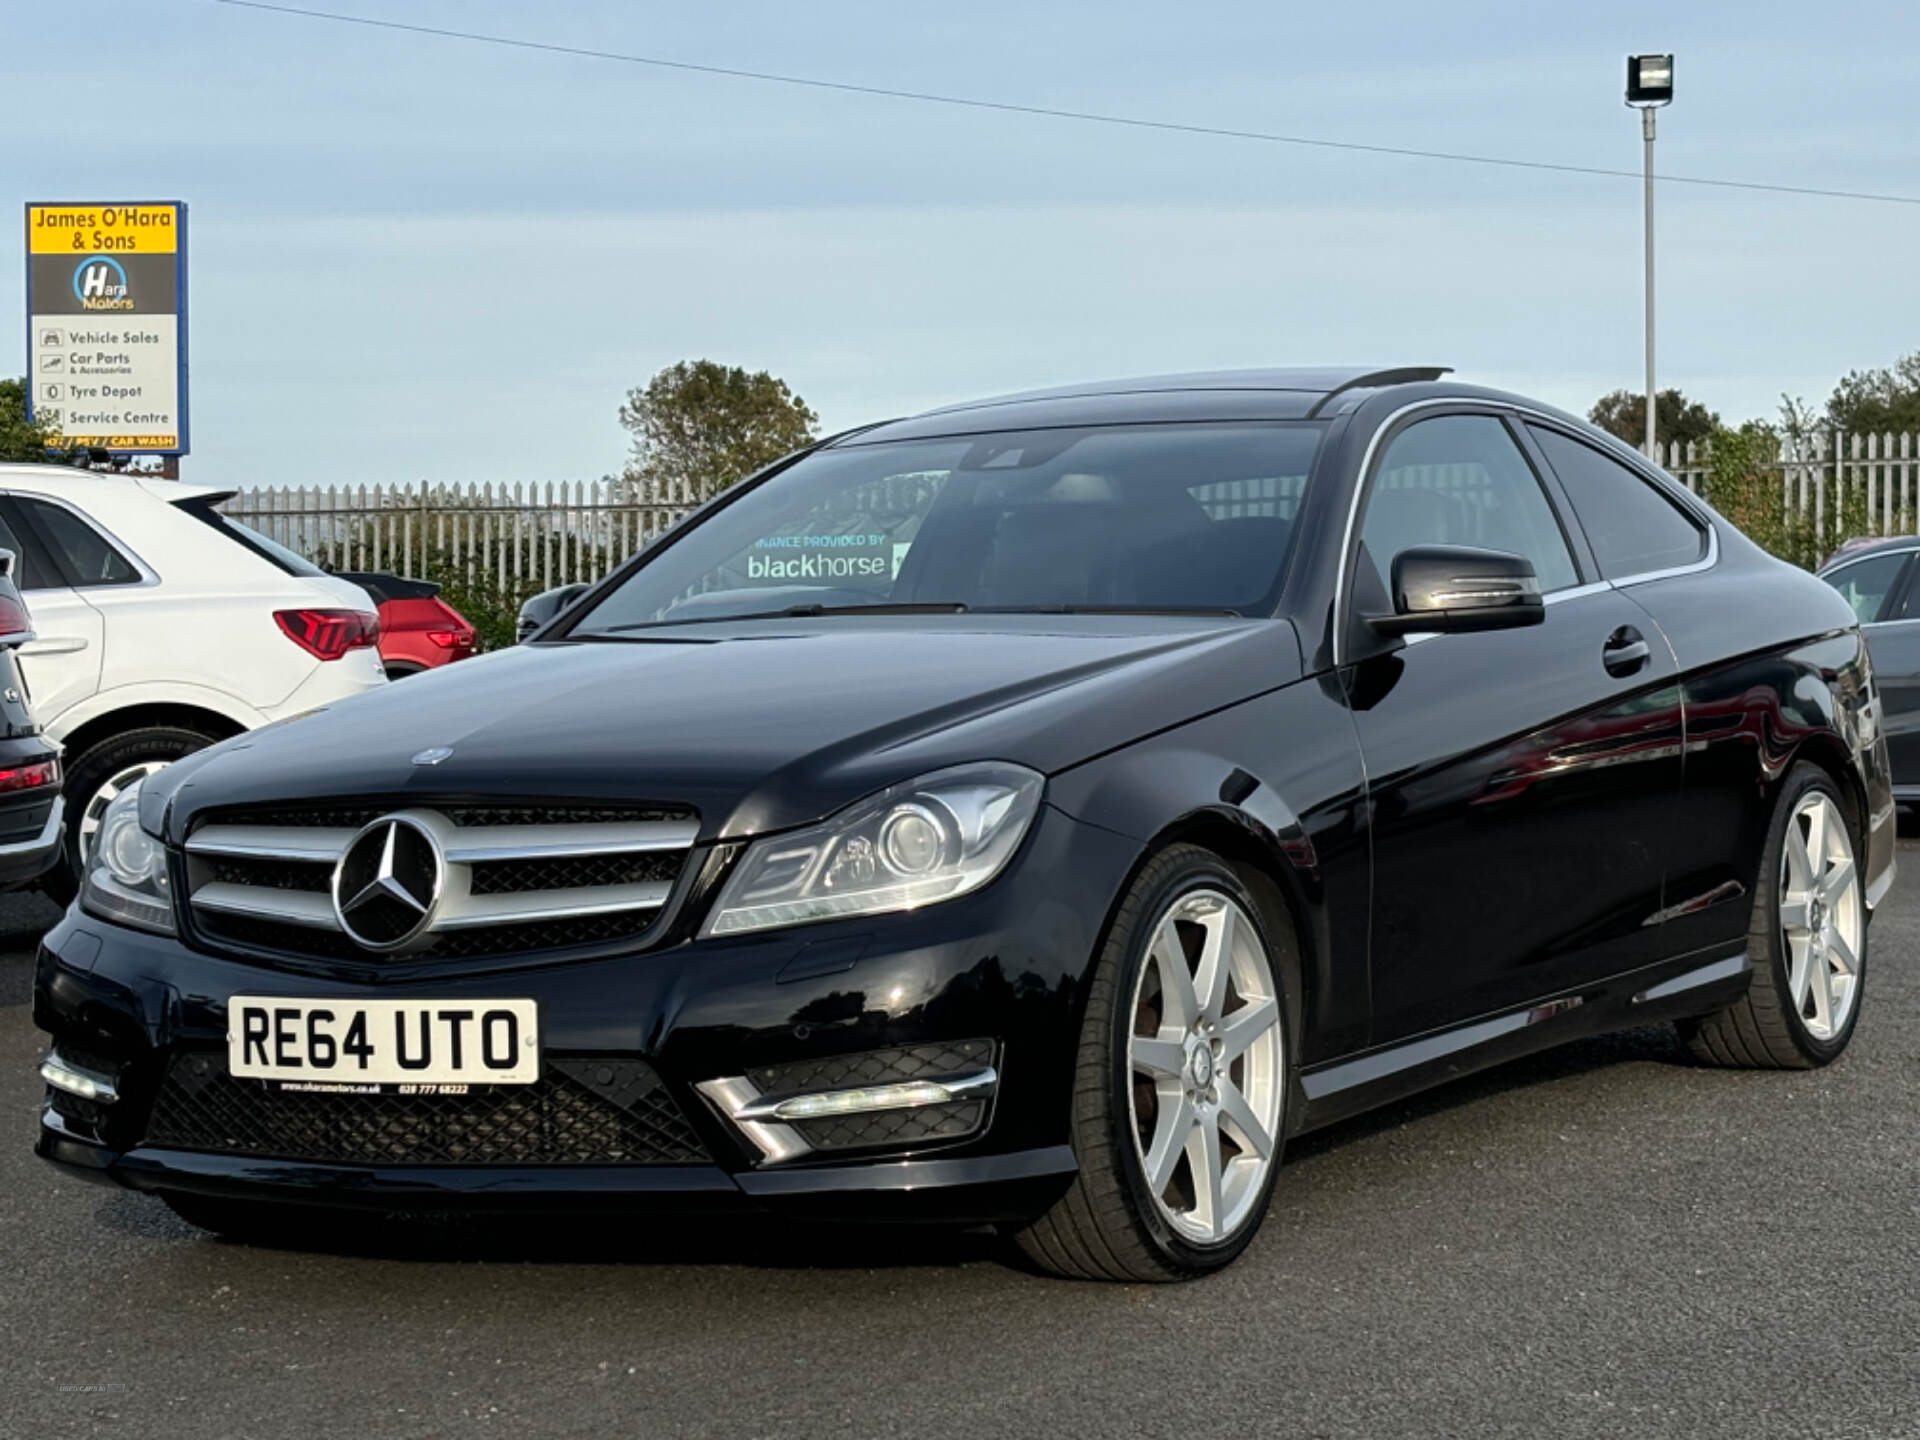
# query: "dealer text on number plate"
353,1043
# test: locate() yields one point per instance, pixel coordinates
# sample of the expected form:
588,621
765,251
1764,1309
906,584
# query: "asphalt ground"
1605,1240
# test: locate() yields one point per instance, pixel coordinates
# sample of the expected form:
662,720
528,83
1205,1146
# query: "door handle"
1625,652
60,645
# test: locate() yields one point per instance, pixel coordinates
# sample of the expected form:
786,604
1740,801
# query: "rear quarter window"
1632,527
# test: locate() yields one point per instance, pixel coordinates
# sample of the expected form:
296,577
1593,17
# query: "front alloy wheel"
1179,1106
1206,1055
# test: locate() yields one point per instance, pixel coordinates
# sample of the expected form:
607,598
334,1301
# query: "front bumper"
1008,964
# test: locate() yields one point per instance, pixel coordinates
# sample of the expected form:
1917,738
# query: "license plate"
417,1046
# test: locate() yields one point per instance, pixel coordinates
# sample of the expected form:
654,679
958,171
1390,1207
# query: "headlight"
932,839
126,879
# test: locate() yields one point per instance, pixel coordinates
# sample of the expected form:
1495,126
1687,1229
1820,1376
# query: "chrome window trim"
1577,592
1693,567
1347,555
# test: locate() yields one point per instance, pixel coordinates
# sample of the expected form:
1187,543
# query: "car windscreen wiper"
800,612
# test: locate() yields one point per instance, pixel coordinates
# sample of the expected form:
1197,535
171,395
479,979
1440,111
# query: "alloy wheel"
1205,1055
97,803
1822,917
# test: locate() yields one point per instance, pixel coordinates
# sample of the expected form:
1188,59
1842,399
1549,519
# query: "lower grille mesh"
582,1111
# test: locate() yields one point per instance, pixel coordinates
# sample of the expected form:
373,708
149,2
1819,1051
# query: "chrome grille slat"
548,842
307,908
271,842
488,904
463,913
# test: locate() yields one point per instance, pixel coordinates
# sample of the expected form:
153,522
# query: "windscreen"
1143,517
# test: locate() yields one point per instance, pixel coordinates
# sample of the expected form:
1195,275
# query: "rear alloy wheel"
1179,1110
1807,943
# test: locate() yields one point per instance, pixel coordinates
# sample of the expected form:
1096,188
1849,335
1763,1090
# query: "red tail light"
329,634
447,639
37,776
14,619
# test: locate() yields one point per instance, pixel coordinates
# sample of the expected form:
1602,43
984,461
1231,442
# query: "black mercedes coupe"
1031,813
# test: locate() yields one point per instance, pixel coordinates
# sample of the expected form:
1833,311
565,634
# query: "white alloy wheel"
96,806
1206,1055
1822,916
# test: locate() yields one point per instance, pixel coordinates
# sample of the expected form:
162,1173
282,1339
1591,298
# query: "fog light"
864,1099
87,1084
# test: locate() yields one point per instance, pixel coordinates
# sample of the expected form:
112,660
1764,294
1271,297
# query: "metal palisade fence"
521,538
1833,484
517,538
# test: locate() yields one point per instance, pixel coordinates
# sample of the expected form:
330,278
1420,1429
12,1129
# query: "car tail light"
448,639
14,619
329,634
38,776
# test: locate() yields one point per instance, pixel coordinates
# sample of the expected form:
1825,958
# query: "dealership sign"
107,325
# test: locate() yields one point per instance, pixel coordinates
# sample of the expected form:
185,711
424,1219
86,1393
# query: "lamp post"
1649,86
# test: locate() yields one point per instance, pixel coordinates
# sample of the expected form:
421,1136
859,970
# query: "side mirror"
541,608
1451,589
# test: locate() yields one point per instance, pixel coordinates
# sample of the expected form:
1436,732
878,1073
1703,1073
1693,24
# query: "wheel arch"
140,715
1166,797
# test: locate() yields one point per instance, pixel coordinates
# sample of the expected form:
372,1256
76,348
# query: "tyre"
1179,1099
400,669
1807,941
102,771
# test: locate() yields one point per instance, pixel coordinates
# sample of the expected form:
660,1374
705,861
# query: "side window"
1868,583
1461,480
1632,527
28,572
89,556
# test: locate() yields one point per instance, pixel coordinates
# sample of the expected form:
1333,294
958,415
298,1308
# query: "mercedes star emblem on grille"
387,884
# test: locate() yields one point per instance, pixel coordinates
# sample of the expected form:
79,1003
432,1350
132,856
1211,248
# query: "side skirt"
1690,985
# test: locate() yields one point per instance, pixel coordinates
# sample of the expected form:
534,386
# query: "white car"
162,626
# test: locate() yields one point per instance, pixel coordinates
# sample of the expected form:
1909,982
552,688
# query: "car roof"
73,484
1860,548
1267,394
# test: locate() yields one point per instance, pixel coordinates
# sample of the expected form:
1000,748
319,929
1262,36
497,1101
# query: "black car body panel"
1486,842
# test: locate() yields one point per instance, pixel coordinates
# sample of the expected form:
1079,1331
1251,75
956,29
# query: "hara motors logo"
100,283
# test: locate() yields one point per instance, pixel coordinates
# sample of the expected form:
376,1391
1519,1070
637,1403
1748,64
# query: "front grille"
584,1110
514,879
327,814
511,877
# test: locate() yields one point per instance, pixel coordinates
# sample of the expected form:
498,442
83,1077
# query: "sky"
424,259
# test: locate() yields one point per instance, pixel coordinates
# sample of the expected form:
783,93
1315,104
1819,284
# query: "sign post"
107,325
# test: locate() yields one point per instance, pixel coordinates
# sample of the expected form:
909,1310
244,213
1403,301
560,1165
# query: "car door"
1520,781
1881,590
61,664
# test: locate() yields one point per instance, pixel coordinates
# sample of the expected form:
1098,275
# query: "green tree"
20,438
1675,418
698,426
1877,402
